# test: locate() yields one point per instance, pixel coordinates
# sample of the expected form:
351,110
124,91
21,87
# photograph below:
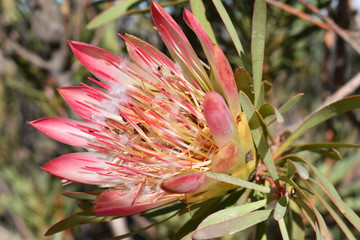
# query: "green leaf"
110,14
267,110
130,234
323,228
335,197
321,146
231,212
258,135
283,229
280,207
287,106
318,233
307,212
331,192
333,213
81,195
238,182
163,210
258,47
206,208
199,11
318,117
297,225
76,219
231,29
232,225
244,82
301,170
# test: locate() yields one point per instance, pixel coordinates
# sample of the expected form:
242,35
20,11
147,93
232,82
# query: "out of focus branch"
298,13
26,54
328,23
341,32
344,91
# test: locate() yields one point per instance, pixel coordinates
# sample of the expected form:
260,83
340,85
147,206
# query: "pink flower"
154,126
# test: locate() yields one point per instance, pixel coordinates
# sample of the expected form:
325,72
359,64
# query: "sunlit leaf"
280,207
318,117
267,110
231,212
238,182
199,11
287,106
258,135
206,208
231,29
257,48
283,229
331,192
301,170
322,225
333,213
232,225
110,14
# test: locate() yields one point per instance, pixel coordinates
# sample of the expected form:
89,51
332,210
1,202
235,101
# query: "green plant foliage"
305,185
111,13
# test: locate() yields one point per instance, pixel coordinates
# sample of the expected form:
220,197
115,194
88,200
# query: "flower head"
154,126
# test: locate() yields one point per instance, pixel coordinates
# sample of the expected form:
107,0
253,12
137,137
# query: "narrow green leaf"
258,47
323,228
280,207
231,29
232,225
231,212
81,195
333,213
335,197
267,110
238,182
301,170
283,229
76,219
258,134
110,14
307,212
164,210
318,233
318,117
207,207
321,146
331,192
287,106
199,11
130,234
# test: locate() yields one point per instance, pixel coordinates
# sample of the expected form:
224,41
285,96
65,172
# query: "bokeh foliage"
35,60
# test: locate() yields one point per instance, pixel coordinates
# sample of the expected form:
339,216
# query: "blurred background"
35,60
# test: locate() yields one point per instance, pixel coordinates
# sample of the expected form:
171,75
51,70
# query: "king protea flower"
154,126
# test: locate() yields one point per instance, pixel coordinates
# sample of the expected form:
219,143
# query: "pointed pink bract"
64,130
77,167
